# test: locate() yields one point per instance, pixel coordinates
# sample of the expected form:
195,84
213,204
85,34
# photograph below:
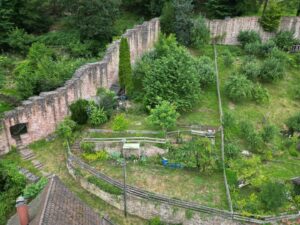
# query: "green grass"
4,107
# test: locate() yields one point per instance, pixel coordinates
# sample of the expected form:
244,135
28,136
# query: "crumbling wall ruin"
229,29
42,113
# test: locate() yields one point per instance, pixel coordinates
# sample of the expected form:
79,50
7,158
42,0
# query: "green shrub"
293,123
273,195
125,73
163,115
65,128
99,155
266,48
108,100
260,94
250,135
88,147
79,111
252,48
270,21
109,188
232,151
229,120
97,116
32,190
293,153
249,36
120,123
156,221
206,71
189,214
251,69
268,133
227,58
284,40
272,70
232,178
238,88
200,34
19,40
297,93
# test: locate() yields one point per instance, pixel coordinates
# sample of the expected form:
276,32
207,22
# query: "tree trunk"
265,7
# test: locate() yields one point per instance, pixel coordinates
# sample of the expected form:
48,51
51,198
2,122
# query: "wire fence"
73,162
222,131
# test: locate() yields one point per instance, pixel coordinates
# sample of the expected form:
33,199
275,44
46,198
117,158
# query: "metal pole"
124,188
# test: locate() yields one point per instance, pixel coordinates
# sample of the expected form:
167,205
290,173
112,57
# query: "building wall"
230,28
42,113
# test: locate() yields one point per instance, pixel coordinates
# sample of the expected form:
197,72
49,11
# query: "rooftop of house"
56,204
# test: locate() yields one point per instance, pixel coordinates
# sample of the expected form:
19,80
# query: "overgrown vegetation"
104,186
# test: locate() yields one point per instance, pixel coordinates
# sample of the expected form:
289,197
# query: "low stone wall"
42,113
148,209
230,28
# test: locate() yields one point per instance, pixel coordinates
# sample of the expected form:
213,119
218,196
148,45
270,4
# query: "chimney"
22,211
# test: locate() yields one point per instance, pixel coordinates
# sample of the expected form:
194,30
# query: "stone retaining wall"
148,209
42,113
230,28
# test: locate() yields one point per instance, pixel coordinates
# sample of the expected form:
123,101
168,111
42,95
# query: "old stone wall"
148,209
42,113
230,28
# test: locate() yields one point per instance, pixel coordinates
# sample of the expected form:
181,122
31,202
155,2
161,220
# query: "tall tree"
125,72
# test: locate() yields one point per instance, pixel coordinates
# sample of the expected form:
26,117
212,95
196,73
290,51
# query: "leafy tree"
270,20
65,128
177,18
148,8
19,40
79,111
272,70
232,151
163,115
293,123
125,73
94,19
120,123
200,33
273,195
248,36
173,76
238,88
206,71
284,40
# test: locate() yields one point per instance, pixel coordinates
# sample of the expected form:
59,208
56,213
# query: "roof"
58,205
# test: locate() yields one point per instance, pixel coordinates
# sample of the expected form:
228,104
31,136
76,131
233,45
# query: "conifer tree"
125,73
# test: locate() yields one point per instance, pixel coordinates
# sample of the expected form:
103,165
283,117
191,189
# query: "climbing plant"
125,74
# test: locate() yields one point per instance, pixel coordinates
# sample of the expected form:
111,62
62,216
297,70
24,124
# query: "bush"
266,48
251,70
250,135
200,34
238,88
249,36
273,196
19,40
270,21
272,70
65,128
252,48
97,116
156,221
79,111
260,94
107,100
293,123
109,188
120,123
99,155
206,71
232,178
32,190
284,40
268,133
88,147
227,58
293,152
163,115
231,151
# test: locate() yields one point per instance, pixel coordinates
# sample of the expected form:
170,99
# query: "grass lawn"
53,155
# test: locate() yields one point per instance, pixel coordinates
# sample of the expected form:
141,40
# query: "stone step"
27,154
29,176
37,164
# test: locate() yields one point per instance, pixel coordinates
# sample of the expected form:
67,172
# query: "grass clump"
105,186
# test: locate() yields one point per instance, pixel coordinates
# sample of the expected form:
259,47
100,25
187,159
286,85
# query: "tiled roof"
60,206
